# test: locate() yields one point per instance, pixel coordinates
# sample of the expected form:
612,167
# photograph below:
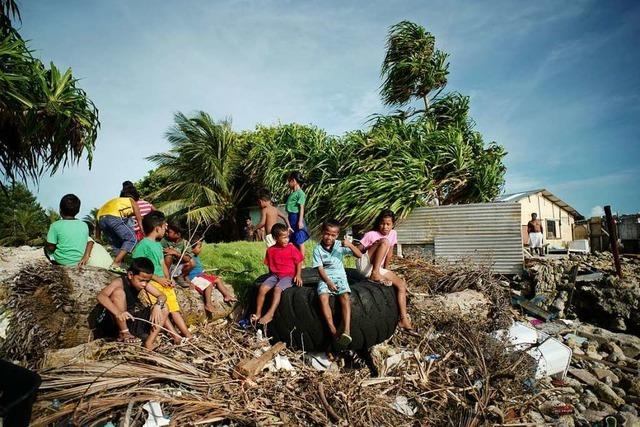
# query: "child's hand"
347,243
297,280
332,286
124,316
290,230
156,315
83,262
300,225
167,283
171,251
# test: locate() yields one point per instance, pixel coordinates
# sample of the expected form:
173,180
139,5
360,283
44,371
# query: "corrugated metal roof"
515,197
488,233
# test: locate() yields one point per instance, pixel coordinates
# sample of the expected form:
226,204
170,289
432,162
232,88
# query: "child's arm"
356,251
325,278
301,218
298,278
263,219
285,219
104,298
87,253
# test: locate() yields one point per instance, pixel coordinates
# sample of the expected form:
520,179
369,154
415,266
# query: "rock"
632,385
629,419
78,354
467,302
602,373
565,421
591,350
630,409
596,416
536,418
629,345
606,394
589,399
574,384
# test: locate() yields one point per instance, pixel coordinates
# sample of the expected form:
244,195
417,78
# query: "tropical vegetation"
22,220
46,121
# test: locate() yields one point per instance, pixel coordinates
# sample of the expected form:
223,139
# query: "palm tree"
412,67
46,121
201,170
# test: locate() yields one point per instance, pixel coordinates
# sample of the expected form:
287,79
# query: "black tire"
299,323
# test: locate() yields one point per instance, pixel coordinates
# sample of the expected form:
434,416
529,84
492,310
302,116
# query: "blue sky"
556,83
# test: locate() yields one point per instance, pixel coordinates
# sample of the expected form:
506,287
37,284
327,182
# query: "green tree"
22,220
412,67
201,171
46,121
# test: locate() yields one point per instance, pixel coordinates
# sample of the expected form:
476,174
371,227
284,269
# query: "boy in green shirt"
154,225
68,238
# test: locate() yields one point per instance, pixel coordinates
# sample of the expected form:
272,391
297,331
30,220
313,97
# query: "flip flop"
343,341
118,270
129,340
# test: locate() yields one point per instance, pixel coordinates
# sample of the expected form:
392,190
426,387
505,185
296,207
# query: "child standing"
285,265
129,190
68,238
115,220
295,210
269,215
327,258
119,299
377,248
154,226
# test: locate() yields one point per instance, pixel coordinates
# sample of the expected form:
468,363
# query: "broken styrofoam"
551,355
319,361
279,363
402,405
155,418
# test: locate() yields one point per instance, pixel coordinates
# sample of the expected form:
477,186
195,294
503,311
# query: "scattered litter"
432,357
280,363
155,418
319,361
576,338
403,406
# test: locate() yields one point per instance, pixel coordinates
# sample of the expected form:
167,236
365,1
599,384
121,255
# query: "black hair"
152,220
141,265
129,190
278,229
69,205
331,223
176,227
297,176
264,194
386,213
91,227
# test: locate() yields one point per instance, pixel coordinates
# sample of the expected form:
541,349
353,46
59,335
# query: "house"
558,217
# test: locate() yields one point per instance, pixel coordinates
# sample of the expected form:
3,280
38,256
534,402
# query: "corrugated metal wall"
483,232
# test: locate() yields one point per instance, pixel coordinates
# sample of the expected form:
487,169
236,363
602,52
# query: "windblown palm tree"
200,169
412,67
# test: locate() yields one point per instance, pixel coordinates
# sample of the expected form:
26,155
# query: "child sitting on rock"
327,258
68,238
285,265
177,253
154,226
204,283
119,299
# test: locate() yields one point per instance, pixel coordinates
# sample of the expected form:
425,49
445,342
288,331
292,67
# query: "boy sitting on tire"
327,258
285,266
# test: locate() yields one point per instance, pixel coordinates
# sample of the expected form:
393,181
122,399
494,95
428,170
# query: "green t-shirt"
178,246
70,237
294,201
151,249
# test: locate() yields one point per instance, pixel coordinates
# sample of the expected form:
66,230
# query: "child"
377,248
177,251
205,283
295,210
248,231
119,299
114,219
327,258
129,190
285,265
154,226
68,238
269,216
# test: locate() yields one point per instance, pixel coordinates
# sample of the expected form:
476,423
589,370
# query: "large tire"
299,323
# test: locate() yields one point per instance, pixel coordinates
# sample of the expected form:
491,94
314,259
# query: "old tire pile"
298,321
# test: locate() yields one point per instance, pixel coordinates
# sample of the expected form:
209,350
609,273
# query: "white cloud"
597,211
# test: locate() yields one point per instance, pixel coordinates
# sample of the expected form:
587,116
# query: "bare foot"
229,298
127,338
333,331
254,319
376,277
209,307
265,319
405,323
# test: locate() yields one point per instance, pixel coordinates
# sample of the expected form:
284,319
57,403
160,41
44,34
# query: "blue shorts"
119,232
300,235
341,283
281,282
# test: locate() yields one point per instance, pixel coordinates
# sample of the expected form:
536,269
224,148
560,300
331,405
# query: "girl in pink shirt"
377,248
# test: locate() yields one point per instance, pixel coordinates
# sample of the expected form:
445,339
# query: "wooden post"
249,368
613,239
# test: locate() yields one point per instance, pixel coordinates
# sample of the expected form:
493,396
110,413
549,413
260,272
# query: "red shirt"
282,261
144,207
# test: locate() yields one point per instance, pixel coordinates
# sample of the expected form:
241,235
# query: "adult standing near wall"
536,236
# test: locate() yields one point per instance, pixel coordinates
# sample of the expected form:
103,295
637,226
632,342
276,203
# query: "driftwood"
249,368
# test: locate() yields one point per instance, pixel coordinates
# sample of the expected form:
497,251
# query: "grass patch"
240,263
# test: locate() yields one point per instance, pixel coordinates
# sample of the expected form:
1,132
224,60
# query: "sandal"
343,342
129,339
117,269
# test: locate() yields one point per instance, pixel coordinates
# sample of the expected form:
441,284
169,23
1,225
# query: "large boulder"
46,307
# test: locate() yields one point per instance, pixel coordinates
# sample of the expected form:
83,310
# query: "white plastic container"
551,355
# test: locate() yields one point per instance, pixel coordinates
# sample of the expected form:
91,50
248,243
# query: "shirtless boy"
269,216
534,228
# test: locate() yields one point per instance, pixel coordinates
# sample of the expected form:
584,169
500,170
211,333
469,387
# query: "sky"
556,83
